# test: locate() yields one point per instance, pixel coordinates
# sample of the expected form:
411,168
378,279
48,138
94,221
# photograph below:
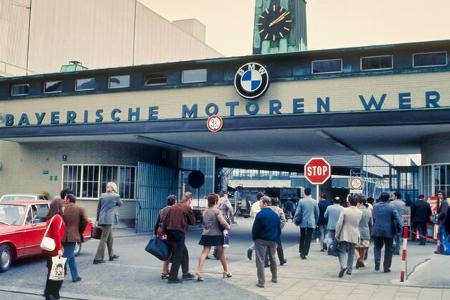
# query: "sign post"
356,185
317,170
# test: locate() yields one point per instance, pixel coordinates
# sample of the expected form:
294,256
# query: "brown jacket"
76,220
179,218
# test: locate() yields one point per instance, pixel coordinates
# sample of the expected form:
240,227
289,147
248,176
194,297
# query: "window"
53,87
429,59
89,181
326,66
155,79
192,76
20,89
372,63
116,82
85,84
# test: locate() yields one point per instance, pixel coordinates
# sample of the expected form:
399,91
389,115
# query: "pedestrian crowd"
345,228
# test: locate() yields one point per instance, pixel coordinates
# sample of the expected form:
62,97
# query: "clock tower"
280,26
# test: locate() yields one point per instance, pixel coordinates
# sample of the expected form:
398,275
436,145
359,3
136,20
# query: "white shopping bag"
57,271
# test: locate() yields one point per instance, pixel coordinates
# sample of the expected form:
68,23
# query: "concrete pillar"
435,149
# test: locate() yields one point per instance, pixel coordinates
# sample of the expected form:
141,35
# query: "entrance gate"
154,184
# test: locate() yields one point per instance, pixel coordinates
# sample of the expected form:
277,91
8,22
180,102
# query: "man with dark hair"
176,223
256,207
420,215
332,216
306,217
64,192
387,223
399,205
76,220
322,222
266,232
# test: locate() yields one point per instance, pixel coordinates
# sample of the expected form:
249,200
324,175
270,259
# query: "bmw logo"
251,80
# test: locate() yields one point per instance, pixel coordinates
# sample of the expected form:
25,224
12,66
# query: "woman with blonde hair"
105,218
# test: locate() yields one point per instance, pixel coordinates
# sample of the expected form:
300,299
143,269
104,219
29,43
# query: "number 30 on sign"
214,123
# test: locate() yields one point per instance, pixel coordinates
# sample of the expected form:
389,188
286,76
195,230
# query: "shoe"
261,285
341,272
348,273
359,264
303,256
165,275
199,277
188,276
377,266
98,261
266,265
322,250
207,257
227,275
249,254
362,265
76,279
274,280
284,262
111,258
387,270
170,281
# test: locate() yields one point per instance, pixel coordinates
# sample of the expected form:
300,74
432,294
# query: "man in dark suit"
76,221
421,213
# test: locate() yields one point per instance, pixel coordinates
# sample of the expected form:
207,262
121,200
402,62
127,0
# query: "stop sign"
317,170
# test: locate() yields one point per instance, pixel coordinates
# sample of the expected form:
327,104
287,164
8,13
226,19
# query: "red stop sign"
317,170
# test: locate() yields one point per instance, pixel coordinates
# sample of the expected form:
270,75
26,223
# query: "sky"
331,23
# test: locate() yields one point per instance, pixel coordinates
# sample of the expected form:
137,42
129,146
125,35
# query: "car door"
35,227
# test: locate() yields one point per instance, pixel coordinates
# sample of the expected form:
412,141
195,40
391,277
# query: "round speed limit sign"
356,183
214,123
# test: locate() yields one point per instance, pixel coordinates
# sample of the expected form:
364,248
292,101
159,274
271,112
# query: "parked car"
21,230
23,197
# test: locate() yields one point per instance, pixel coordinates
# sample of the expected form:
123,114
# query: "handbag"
97,232
57,270
158,248
48,243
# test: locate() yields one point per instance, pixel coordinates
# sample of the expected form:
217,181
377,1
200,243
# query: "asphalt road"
136,275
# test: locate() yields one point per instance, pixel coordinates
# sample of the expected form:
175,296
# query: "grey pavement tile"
382,296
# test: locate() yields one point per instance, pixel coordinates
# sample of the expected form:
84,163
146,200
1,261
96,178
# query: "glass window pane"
85,84
327,66
155,79
122,81
20,89
53,87
191,76
376,63
430,59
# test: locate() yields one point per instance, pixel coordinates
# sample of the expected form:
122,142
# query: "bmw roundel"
251,80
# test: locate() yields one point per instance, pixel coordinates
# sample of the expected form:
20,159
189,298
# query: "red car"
22,227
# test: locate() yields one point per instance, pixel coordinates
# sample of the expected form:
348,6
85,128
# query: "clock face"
274,23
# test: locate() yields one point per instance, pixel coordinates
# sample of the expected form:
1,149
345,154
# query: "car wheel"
5,258
77,249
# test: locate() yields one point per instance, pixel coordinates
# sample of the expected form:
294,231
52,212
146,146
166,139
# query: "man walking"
332,215
279,211
179,217
421,213
256,207
266,232
306,217
386,225
76,221
322,222
400,206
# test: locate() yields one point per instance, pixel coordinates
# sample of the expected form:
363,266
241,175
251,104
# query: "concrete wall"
99,33
23,165
435,149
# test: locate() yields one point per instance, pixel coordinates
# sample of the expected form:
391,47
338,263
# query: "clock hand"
279,19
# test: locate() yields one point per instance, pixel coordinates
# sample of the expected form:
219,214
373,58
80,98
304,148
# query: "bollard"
404,254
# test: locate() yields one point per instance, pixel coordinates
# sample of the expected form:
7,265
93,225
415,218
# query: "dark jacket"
447,224
179,217
323,204
266,225
421,211
442,211
106,206
386,221
161,217
76,221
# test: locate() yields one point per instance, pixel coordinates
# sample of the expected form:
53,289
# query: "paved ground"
136,274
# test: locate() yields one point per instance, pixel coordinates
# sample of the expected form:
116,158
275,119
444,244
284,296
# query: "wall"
435,149
24,163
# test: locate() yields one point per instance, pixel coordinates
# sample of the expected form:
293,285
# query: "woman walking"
105,217
364,231
347,234
159,232
56,228
213,226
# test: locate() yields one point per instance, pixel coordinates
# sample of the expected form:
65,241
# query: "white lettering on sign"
316,170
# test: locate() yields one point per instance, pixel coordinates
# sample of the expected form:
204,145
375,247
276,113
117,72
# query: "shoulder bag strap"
49,224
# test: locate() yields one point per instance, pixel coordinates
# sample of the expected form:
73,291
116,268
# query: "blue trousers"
69,249
346,252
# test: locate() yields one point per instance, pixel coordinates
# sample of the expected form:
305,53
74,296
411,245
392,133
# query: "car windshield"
18,197
12,214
